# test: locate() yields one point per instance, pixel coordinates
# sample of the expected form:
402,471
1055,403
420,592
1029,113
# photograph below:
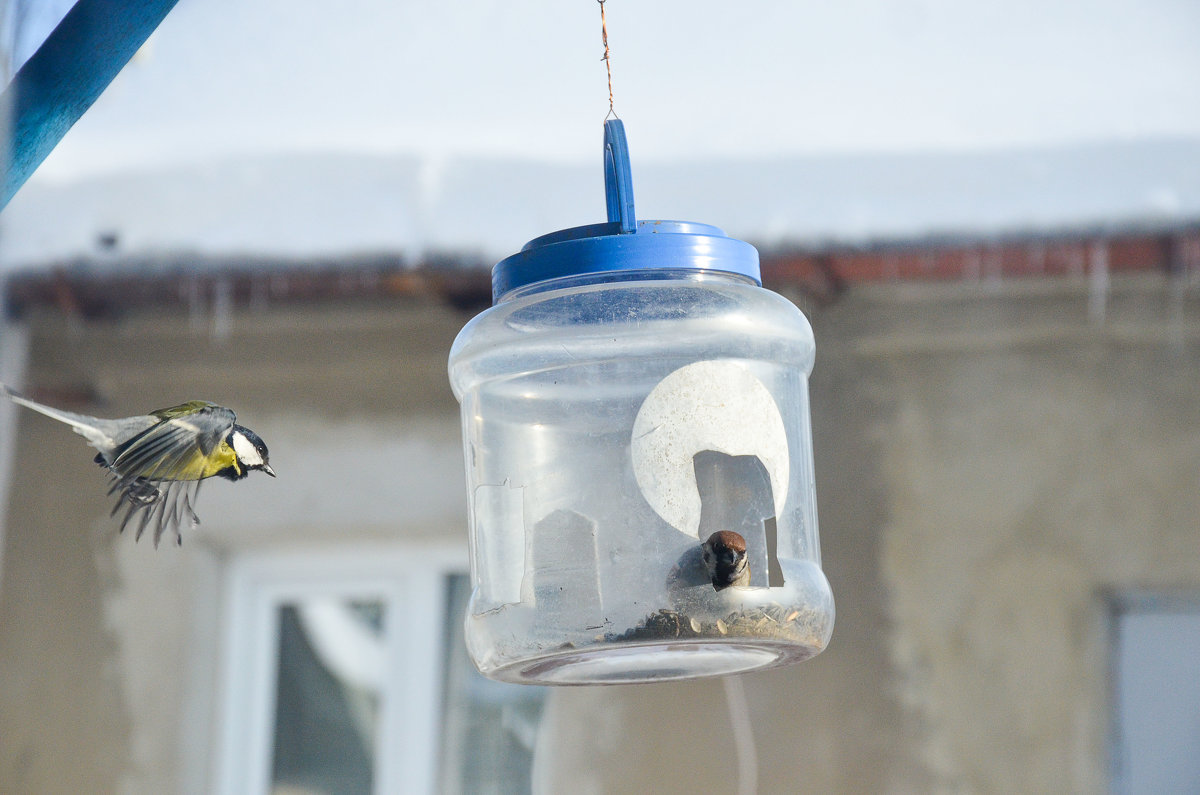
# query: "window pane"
488,728
327,696
1158,700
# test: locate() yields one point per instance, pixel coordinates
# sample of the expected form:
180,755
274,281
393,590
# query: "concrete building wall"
991,466
109,650
993,460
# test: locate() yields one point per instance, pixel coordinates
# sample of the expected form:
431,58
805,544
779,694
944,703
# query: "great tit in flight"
157,461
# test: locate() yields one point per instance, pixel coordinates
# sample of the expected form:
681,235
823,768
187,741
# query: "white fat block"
717,406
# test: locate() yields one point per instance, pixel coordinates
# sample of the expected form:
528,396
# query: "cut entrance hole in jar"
735,495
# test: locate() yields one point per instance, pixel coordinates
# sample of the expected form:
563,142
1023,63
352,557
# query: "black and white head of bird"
251,452
724,555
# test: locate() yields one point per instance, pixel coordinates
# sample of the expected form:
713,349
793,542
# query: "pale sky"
691,79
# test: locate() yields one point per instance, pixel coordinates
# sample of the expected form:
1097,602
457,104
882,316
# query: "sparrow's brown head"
725,559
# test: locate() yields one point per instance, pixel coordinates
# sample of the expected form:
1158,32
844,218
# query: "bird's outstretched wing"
178,447
163,505
158,471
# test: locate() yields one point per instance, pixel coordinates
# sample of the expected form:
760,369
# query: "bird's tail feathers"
82,424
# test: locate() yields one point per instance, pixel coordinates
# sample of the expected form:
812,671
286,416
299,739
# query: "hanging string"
607,63
743,734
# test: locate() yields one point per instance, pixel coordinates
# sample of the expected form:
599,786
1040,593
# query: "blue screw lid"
601,248
623,244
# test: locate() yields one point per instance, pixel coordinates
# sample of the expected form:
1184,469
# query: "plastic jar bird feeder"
632,391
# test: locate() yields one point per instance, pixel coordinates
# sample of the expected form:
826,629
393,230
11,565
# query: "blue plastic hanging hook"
622,244
618,182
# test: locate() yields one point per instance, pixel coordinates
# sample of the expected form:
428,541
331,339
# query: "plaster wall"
992,463
109,649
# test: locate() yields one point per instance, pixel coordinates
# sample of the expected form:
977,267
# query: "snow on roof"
320,205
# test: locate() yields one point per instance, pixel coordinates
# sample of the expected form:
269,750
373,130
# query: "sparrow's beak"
267,468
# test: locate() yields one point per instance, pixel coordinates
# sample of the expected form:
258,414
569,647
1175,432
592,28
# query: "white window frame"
410,579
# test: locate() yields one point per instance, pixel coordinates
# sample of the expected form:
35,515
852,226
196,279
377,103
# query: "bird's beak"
267,468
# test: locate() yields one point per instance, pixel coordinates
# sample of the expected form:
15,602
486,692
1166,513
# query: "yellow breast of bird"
196,466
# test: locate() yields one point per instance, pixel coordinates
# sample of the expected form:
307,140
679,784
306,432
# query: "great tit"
725,559
157,461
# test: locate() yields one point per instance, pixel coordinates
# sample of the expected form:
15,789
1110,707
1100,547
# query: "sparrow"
157,461
724,555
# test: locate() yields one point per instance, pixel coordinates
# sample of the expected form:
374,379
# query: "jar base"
650,662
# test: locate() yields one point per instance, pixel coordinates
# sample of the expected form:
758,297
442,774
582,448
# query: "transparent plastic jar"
627,396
